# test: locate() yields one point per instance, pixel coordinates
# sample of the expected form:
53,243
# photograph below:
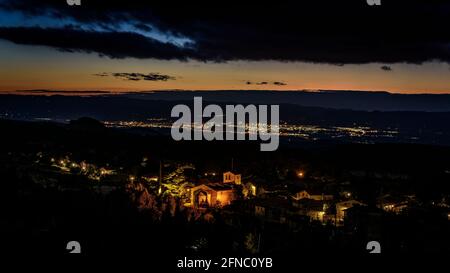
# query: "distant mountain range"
352,100
334,99
421,126
159,105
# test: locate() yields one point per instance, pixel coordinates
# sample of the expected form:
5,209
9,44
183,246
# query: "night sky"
401,46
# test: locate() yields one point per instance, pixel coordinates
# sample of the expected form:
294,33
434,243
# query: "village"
203,198
303,199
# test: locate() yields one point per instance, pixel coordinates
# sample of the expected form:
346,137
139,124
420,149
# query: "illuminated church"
216,194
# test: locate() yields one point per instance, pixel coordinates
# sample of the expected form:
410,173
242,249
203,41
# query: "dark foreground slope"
45,206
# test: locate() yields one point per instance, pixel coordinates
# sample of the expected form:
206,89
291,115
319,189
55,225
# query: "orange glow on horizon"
46,69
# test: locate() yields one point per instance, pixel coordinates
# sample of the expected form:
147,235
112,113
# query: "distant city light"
311,132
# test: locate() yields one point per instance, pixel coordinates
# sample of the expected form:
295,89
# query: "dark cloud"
386,68
103,74
111,44
138,76
265,83
334,32
257,83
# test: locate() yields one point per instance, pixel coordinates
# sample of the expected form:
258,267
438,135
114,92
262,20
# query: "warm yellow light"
132,178
300,174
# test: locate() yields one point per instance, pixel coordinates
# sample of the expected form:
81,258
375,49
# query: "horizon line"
51,92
